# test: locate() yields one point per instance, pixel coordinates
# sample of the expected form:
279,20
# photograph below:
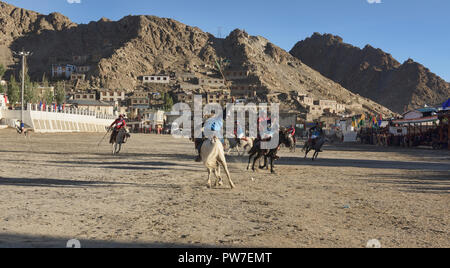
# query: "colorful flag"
380,120
362,120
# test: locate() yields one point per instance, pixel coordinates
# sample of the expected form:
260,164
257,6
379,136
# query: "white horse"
119,140
213,156
245,144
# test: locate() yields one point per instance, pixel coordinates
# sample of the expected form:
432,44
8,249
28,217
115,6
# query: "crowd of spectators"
437,137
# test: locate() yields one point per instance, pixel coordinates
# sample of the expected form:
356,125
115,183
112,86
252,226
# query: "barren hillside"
141,45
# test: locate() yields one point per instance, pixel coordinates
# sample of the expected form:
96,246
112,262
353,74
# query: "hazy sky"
416,29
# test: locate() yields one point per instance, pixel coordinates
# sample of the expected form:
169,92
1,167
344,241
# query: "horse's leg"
271,165
255,159
225,167
249,160
219,181
118,148
306,153
209,178
265,163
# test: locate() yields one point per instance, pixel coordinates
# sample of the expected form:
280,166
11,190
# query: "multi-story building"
159,79
99,107
112,95
88,95
139,100
62,71
246,90
236,75
305,100
213,83
220,96
187,77
184,97
328,105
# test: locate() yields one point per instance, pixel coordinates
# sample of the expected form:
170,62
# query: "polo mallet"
104,137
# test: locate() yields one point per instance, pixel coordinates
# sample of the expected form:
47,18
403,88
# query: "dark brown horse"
271,154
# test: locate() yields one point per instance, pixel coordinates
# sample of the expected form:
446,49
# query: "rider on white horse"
214,127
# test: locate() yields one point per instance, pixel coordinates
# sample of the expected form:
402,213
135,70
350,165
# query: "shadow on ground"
28,241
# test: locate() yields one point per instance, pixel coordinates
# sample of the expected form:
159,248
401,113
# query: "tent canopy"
446,104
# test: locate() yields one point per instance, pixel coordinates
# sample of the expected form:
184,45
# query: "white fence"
52,121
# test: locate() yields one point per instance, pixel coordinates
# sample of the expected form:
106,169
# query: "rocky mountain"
373,73
142,45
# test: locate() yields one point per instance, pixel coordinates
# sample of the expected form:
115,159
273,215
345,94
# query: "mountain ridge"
140,45
372,73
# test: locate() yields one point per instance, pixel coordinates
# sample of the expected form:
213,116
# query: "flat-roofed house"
89,95
61,70
112,95
236,74
159,79
94,106
139,100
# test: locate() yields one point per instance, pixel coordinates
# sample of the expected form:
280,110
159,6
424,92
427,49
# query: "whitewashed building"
112,95
159,79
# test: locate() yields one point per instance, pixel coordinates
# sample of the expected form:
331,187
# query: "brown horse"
268,153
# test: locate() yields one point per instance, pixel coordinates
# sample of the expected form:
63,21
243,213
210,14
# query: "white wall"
53,122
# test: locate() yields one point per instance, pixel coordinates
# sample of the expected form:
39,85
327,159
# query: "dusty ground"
62,186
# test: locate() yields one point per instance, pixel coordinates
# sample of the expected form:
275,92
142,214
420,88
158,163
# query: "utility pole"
23,54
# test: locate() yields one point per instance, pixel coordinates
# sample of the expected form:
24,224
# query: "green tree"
60,93
30,95
13,91
48,97
44,81
168,101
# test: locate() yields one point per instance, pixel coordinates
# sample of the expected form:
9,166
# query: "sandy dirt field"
57,187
